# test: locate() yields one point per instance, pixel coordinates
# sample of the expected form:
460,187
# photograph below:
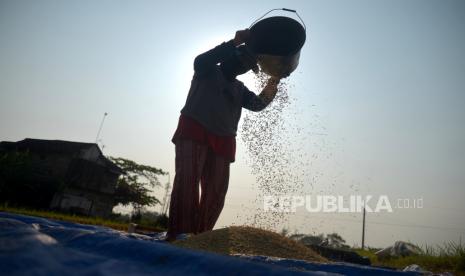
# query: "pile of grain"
249,241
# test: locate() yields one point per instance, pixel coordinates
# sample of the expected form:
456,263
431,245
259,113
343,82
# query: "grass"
117,225
449,257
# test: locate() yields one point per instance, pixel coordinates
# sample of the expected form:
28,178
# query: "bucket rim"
280,16
289,19
281,9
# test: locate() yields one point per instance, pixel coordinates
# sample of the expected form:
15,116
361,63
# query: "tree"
308,239
335,240
134,187
332,240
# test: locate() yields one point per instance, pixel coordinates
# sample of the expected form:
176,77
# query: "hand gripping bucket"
276,41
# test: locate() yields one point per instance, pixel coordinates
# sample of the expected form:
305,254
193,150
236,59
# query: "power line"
234,206
445,208
390,224
420,226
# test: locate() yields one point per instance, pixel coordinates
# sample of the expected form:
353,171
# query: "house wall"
88,175
89,184
91,154
90,188
50,165
83,202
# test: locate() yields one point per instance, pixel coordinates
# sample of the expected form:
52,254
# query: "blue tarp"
38,246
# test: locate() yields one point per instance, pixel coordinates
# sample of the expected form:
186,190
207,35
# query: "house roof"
112,166
47,146
57,146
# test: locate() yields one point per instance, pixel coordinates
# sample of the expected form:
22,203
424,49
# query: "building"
89,178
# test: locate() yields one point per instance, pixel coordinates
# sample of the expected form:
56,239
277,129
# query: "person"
204,140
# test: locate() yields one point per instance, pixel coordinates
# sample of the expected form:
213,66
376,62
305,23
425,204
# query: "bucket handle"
282,9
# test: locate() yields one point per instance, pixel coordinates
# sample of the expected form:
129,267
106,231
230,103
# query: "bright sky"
383,79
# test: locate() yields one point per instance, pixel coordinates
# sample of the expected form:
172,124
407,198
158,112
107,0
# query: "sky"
382,80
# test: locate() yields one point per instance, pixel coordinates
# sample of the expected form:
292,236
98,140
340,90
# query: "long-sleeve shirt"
215,102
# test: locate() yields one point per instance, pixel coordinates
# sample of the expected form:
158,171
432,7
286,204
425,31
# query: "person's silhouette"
205,136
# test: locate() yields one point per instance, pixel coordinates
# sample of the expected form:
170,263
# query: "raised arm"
206,61
258,103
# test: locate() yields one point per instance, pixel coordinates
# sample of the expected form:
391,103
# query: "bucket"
277,41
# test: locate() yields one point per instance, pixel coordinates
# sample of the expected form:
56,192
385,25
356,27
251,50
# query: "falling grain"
277,161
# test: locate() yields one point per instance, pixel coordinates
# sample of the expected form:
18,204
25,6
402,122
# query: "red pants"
196,162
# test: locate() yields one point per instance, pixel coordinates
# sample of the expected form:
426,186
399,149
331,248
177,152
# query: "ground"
250,241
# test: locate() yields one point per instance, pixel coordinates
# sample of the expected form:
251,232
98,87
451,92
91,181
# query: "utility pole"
363,229
166,200
100,128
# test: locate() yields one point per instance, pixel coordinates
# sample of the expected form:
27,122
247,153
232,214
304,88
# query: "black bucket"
277,41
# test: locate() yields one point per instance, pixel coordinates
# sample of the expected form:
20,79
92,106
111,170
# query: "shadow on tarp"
38,246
